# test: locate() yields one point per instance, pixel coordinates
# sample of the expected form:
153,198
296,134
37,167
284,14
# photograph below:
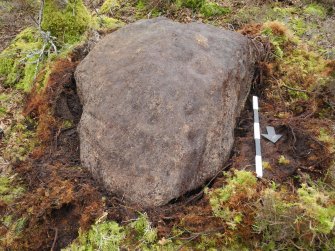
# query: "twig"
294,89
40,15
55,239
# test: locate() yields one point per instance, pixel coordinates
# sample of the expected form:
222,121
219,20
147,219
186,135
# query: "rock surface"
160,100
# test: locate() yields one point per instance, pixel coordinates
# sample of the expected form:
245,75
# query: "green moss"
140,5
277,40
315,10
18,62
193,4
283,161
266,165
144,231
14,229
104,236
299,26
106,23
19,141
209,9
8,191
318,206
67,24
325,136
109,5
305,219
242,185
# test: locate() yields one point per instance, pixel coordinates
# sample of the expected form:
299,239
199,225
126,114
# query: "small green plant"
14,229
315,10
18,62
305,219
66,23
192,4
8,190
109,5
283,160
103,22
278,36
104,236
242,185
144,231
266,165
209,9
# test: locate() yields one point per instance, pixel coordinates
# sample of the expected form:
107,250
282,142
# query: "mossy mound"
67,23
18,63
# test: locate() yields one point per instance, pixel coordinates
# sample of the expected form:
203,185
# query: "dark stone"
160,101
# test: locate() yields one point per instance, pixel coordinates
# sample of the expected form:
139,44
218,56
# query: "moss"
67,24
19,141
109,235
209,9
8,190
106,23
104,236
305,219
267,165
315,10
299,26
144,231
67,124
240,186
325,136
18,62
318,206
140,5
193,4
13,230
109,5
278,36
283,161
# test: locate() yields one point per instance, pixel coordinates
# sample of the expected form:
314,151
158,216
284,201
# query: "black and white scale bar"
257,136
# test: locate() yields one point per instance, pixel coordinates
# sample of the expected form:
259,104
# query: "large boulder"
160,101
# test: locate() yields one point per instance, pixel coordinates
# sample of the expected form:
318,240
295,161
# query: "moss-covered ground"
48,201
